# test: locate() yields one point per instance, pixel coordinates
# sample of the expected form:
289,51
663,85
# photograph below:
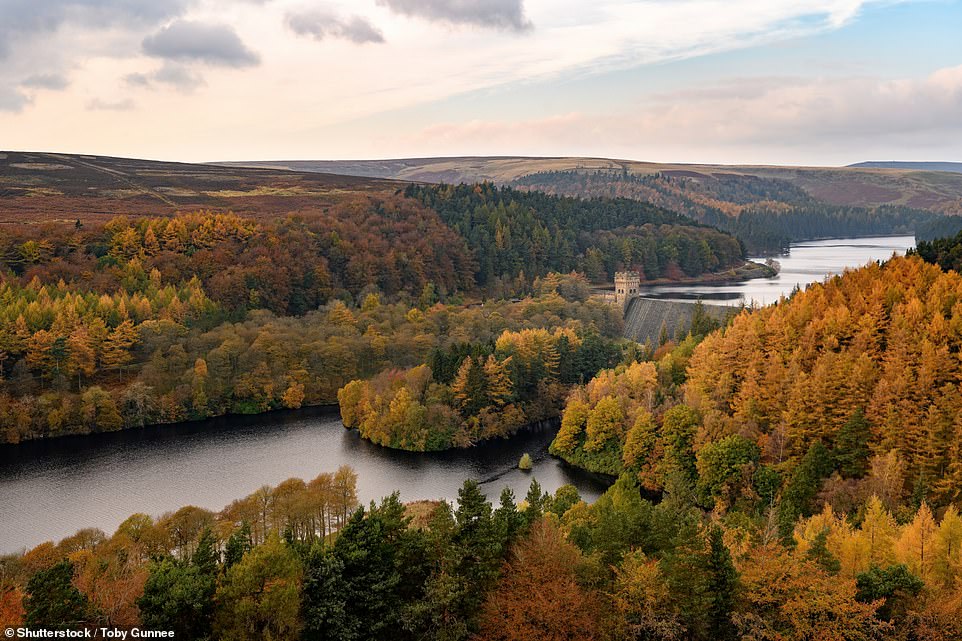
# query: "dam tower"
627,285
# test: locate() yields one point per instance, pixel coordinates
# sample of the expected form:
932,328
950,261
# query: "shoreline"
749,270
146,431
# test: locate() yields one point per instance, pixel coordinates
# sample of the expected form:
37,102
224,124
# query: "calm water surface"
49,490
805,263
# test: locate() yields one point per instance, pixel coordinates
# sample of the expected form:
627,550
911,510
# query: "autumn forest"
792,471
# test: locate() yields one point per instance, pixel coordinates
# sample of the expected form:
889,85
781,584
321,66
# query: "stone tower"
627,285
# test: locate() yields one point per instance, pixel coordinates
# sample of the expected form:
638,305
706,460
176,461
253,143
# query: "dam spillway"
645,317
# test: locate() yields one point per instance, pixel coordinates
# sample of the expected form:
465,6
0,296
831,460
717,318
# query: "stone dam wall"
645,317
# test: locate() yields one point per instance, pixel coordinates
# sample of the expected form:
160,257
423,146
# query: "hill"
921,188
903,164
767,207
123,305
845,378
36,187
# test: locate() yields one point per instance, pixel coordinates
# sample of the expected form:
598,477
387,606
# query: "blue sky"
816,82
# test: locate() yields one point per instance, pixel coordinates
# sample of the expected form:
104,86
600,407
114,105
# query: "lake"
805,263
49,490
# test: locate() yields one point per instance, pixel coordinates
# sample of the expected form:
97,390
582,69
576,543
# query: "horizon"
827,83
254,161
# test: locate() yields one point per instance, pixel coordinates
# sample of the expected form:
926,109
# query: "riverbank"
58,486
749,270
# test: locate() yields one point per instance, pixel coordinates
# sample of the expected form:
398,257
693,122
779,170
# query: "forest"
161,364
794,474
146,320
302,560
765,213
533,233
946,252
853,377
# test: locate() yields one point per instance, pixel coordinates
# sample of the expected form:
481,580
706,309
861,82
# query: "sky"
796,82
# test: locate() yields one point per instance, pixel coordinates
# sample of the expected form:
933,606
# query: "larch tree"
539,597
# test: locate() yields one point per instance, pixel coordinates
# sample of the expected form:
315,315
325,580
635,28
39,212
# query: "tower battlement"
627,286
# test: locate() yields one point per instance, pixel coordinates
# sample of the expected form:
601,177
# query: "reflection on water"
49,490
805,263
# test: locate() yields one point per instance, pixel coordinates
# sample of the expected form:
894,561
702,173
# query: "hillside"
841,380
845,186
766,207
36,187
917,166
125,306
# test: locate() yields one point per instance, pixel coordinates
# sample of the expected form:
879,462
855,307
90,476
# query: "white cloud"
747,116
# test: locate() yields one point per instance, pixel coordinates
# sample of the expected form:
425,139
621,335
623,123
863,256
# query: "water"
49,490
805,263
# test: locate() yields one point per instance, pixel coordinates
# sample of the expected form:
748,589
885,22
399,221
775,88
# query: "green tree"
819,553
260,596
851,450
799,494
180,597
678,429
722,581
895,584
358,589
324,609
52,600
724,466
237,546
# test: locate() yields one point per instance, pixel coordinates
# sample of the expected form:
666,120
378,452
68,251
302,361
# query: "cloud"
494,14
23,19
52,81
103,105
320,25
12,100
189,41
766,114
58,35
137,79
172,74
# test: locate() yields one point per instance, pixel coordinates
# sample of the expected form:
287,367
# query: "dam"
645,317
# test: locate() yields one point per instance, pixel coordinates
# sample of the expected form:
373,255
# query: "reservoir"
49,490
805,262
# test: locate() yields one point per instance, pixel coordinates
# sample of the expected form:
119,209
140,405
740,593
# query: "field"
42,187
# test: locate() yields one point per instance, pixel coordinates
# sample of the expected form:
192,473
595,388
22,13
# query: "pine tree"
819,553
52,601
915,545
498,383
237,546
851,450
878,531
722,582
116,351
947,549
